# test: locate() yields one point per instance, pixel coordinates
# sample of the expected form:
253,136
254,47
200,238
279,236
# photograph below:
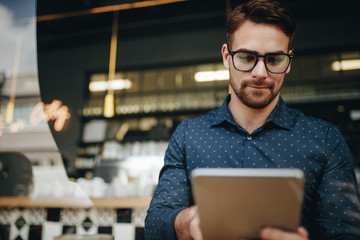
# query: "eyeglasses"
245,61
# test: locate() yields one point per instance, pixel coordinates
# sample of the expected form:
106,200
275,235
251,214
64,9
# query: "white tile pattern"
94,218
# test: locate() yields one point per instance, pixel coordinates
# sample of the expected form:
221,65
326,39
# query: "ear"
225,55
289,68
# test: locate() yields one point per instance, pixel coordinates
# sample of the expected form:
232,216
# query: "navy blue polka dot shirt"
288,139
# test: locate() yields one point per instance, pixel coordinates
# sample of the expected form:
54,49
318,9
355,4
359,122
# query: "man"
254,128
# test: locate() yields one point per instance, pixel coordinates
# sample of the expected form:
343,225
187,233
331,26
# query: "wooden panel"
72,203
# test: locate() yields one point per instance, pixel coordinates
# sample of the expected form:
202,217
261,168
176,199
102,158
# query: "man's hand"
187,227
187,224
276,234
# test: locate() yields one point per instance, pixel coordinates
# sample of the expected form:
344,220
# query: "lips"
258,85
258,88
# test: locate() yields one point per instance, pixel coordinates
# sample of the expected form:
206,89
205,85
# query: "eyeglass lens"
276,63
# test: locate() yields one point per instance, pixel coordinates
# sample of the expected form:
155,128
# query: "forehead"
259,37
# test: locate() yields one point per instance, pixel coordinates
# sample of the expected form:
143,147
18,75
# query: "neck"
250,118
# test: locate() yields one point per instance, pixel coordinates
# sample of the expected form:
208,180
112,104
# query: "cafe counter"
27,219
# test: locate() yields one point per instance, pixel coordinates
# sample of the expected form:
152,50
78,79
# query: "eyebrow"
251,51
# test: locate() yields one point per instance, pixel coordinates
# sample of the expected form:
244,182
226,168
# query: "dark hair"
261,11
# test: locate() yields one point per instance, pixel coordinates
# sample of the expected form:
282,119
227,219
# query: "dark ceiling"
156,20
174,17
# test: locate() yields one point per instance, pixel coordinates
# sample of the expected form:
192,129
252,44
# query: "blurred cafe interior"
91,92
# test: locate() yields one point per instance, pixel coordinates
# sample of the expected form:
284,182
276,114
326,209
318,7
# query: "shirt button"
249,138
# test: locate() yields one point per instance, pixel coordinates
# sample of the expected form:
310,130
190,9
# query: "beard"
257,99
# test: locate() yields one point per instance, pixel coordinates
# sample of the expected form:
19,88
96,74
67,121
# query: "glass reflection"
30,163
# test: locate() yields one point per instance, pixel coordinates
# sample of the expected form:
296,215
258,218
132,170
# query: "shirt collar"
280,116
223,114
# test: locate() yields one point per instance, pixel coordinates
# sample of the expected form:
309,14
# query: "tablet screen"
238,203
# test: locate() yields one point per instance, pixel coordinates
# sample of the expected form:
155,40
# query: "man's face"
258,87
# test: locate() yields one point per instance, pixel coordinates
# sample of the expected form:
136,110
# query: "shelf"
129,202
150,114
121,202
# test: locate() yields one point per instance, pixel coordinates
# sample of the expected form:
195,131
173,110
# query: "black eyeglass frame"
232,53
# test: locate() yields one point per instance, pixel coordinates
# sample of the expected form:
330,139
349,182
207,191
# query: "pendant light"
109,109
9,114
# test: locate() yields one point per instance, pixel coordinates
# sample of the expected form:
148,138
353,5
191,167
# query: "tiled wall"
47,223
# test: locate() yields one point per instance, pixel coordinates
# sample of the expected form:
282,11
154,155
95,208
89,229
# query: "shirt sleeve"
338,210
173,192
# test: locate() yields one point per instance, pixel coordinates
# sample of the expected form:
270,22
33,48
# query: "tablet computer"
237,203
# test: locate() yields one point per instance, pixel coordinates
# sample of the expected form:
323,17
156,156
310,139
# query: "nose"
259,70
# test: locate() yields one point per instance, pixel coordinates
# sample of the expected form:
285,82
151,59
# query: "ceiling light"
109,105
117,84
208,76
344,65
98,86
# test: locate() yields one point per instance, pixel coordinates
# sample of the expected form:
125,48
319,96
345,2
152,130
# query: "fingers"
277,234
195,228
303,232
187,224
271,233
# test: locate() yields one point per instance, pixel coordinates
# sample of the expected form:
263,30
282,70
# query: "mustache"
257,83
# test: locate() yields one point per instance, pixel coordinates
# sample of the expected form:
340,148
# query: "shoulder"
192,127
311,123
195,125
205,120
